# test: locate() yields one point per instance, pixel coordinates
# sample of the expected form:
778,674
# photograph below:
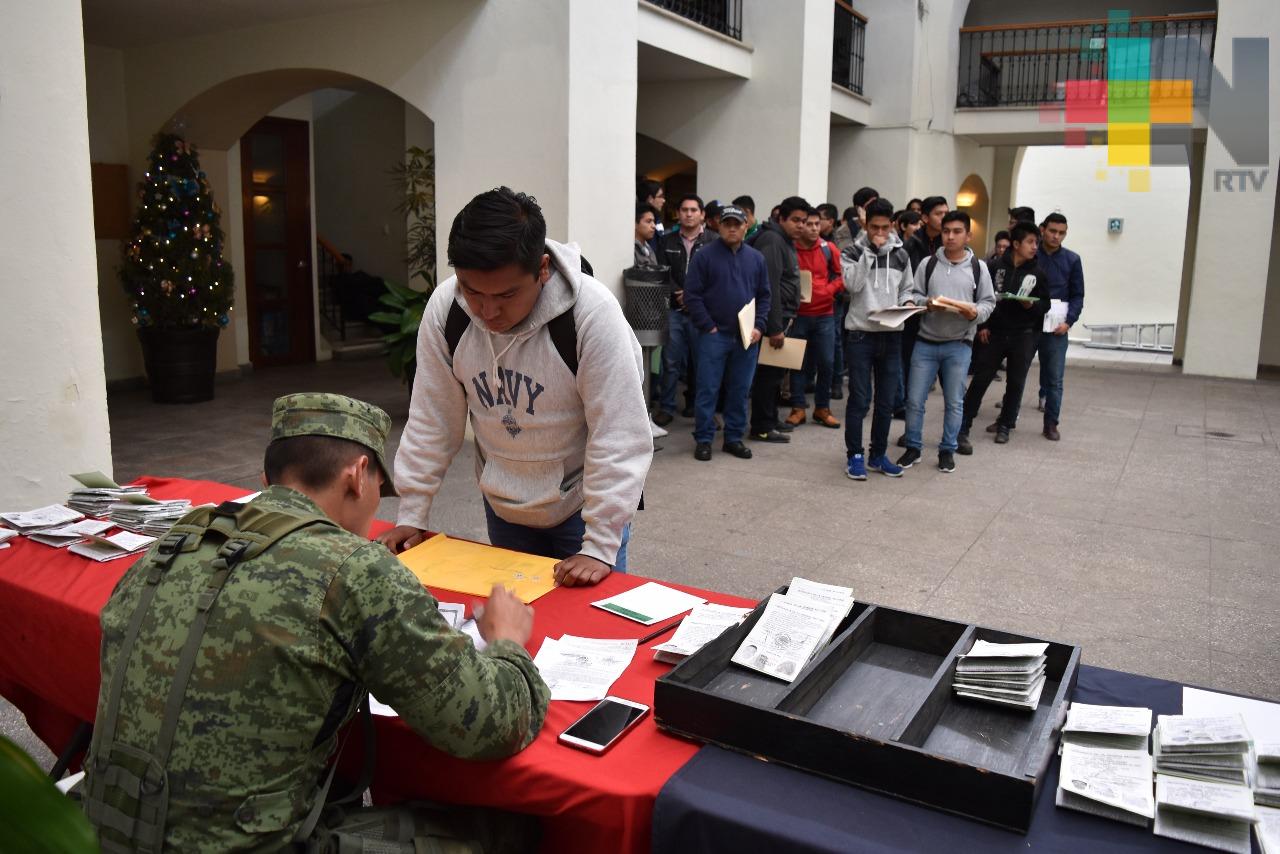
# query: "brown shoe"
825,418
796,417
1051,432
993,426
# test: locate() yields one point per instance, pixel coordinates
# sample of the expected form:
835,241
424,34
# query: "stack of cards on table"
113,547
1106,769
1213,749
62,536
1215,815
43,517
1008,674
1268,830
1116,727
98,492
142,514
704,624
1266,784
794,627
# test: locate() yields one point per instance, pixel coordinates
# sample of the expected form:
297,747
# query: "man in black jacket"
1012,331
776,241
679,354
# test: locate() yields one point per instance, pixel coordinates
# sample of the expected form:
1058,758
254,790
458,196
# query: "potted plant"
174,274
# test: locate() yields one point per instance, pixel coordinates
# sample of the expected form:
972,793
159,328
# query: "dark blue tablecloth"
725,801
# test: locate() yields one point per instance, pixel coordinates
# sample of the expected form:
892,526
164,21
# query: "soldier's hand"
581,571
504,617
402,537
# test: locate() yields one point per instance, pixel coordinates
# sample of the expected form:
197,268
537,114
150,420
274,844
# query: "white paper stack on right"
1007,674
1202,786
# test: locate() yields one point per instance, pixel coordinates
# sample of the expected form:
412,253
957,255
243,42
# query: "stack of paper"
1266,784
649,603
142,514
43,517
1115,727
68,535
704,624
113,547
577,668
97,493
1215,815
1112,783
1008,674
6,534
794,627
1268,830
1212,749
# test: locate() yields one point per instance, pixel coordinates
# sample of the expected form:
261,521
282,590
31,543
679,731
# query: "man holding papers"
723,279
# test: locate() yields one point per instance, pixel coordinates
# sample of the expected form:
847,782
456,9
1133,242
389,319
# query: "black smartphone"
598,730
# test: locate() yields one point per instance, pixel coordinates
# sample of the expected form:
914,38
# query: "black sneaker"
899,415
769,436
702,452
909,459
784,427
946,462
902,440
963,446
662,418
837,393
1002,435
737,449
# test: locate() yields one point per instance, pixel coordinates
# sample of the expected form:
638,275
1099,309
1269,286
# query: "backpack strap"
929,267
454,325
974,265
564,335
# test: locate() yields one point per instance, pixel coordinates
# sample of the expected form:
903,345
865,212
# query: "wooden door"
275,170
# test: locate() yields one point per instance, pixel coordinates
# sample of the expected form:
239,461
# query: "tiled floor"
1148,535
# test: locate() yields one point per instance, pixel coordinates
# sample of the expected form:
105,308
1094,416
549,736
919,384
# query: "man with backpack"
956,288
539,358
815,323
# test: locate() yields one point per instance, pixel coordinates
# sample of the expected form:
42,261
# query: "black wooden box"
875,708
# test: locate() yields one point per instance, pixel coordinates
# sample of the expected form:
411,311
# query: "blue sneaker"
857,469
882,465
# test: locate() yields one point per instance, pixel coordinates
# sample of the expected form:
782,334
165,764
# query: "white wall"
1133,277
54,418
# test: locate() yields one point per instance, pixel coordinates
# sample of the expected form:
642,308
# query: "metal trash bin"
644,303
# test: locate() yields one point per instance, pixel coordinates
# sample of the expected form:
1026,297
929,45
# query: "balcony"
1034,66
849,48
723,16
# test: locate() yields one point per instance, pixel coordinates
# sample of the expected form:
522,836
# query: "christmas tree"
173,270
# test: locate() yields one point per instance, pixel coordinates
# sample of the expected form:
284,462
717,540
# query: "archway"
677,171
973,199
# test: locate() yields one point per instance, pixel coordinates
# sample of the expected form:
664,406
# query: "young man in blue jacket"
1062,268
722,278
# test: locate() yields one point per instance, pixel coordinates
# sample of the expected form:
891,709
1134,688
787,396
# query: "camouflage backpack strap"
127,792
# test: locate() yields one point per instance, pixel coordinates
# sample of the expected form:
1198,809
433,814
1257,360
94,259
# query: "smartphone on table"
599,729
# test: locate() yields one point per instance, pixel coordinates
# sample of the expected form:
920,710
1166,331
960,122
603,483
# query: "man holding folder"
723,280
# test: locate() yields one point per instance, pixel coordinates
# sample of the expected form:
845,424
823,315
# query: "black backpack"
932,265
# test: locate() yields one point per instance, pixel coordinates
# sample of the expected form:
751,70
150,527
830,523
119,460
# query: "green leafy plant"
34,815
402,318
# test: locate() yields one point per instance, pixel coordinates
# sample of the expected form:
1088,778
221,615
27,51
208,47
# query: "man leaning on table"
539,356
235,651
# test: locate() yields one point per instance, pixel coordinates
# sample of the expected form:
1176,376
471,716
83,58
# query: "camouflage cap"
326,414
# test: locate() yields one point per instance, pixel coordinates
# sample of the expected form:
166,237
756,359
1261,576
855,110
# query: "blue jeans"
679,355
820,332
871,356
929,360
1053,366
838,367
559,541
721,358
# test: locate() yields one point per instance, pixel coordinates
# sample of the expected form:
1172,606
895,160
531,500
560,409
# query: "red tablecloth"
49,638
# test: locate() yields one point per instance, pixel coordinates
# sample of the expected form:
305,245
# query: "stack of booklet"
1008,674
142,514
62,536
794,627
704,624
1266,784
122,544
1213,749
97,493
42,517
1106,769
1215,815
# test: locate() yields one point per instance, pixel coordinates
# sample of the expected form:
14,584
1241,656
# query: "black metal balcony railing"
723,16
849,50
1026,66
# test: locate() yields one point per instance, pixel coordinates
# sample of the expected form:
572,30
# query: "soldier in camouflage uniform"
303,615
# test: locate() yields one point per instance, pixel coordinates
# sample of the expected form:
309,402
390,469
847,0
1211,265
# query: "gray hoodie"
954,281
547,442
875,279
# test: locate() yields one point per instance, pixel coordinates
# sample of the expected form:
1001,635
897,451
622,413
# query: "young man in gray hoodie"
943,346
539,357
877,275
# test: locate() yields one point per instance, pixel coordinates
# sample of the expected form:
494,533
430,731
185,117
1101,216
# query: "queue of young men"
978,315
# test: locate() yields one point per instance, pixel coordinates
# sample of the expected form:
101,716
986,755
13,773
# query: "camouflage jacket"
294,636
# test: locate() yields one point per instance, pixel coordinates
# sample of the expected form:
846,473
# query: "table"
49,644
726,801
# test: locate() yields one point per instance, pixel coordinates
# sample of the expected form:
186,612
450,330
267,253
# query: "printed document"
784,638
577,668
747,322
42,517
894,316
1118,778
704,624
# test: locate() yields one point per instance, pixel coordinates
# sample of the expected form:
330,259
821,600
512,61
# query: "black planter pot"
180,363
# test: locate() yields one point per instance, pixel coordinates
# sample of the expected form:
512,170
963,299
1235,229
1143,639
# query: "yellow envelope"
466,567
789,356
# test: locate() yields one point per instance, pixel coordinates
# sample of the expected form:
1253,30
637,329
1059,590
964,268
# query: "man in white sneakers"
540,358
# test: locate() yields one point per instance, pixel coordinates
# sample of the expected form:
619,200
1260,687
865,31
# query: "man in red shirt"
816,322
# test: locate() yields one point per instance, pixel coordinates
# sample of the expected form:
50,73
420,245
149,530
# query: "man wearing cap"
723,278
237,648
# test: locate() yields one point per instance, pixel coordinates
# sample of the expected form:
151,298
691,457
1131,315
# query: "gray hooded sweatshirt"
547,442
954,281
875,279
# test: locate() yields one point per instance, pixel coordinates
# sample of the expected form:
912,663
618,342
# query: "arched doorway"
973,199
676,170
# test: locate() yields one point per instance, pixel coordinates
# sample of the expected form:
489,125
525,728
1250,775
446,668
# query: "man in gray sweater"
956,288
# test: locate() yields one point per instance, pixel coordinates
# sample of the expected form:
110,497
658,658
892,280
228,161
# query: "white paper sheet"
1261,718
894,316
649,603
704,624
41,517
1120,778
785,637
746,323
1222,800
987,649
454,613
1115,720
577,668
1056,315
1268,830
